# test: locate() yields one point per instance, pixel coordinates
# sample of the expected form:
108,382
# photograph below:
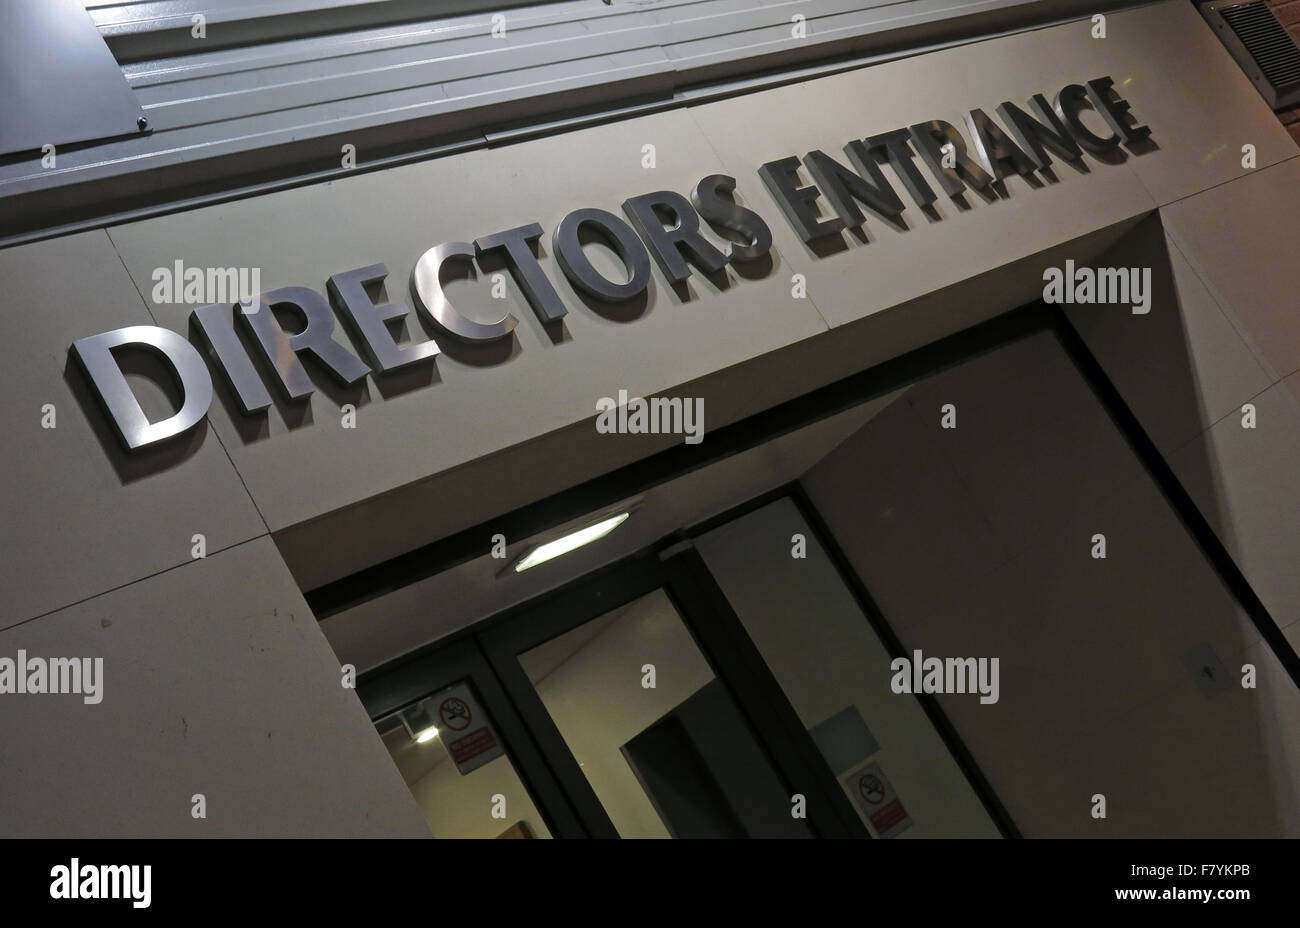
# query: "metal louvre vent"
1268,43
1261,46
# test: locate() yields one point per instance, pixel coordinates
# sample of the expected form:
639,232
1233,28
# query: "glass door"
655,733
631,703
463,752
651,724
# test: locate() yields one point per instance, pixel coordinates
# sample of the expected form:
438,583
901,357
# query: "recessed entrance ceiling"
385,628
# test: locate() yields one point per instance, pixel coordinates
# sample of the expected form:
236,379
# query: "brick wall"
1288,11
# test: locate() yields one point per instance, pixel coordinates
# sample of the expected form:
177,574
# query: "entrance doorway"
637,702
722,658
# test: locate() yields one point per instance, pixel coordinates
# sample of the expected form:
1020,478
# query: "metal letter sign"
95,354
664,225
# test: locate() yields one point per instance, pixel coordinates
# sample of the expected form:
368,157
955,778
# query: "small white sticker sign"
466,733
875,796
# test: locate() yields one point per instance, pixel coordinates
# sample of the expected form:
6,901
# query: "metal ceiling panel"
59,84
277,87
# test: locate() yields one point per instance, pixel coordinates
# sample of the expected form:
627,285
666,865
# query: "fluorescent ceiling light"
583,536
420,724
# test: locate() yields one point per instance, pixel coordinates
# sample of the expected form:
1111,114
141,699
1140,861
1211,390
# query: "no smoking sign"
881,806
466,732
455,714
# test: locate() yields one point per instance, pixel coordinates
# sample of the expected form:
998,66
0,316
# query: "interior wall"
596,697
597,701
978,541
460,806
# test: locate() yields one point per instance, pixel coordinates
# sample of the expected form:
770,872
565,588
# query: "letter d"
95,354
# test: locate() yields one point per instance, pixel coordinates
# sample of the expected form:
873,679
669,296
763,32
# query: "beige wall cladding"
216,680
299,464
1241,240
1181,366
1223,331
1246,482
79,514
1182,83
389,525
480,400
849,278
1199,119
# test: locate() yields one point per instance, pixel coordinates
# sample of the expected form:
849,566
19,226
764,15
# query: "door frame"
462,660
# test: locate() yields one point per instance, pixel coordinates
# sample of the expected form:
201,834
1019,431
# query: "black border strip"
1178,498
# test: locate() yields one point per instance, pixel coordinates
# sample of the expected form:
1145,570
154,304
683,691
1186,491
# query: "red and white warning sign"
455,713
879,803
466,733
